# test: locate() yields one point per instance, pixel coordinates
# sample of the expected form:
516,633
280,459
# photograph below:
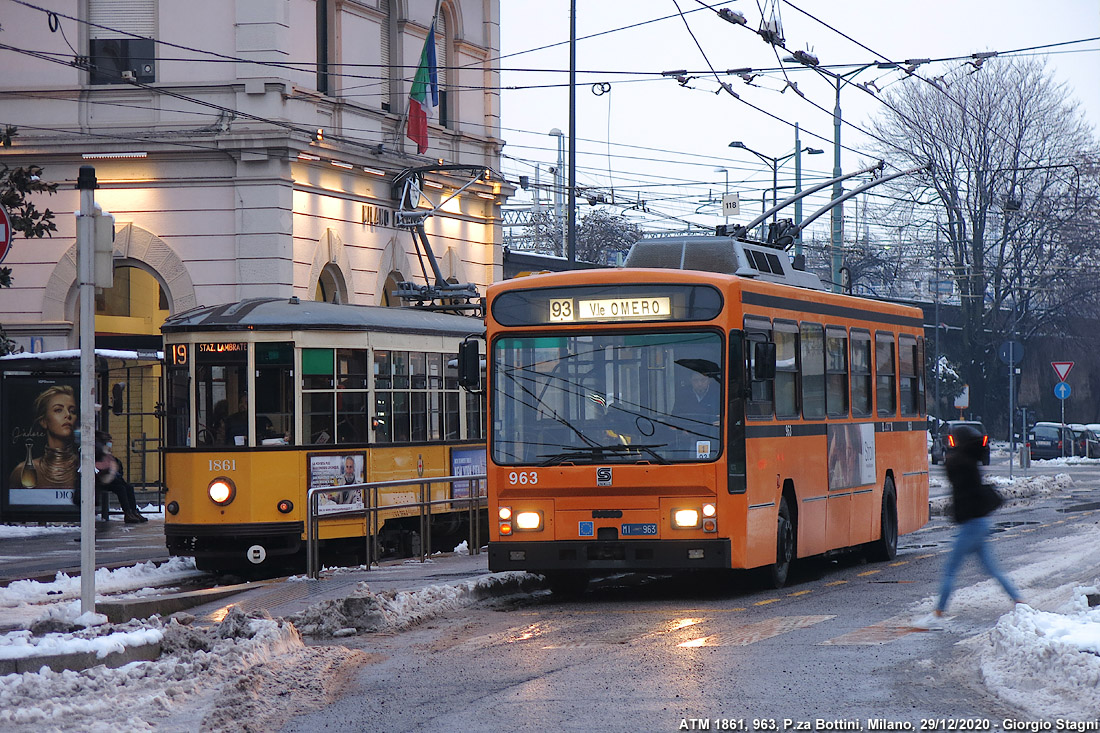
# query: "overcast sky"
659,141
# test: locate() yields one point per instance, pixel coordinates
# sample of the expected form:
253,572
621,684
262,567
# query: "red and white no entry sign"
5,233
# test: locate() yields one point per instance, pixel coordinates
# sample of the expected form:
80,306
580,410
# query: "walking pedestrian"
973,502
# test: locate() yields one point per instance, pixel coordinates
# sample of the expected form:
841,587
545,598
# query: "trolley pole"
85,235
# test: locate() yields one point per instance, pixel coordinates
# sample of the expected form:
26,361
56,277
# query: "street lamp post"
776,162
559,185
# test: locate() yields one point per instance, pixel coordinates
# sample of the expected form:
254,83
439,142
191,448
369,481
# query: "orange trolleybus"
647,419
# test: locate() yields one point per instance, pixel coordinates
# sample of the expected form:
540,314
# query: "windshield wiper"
595,453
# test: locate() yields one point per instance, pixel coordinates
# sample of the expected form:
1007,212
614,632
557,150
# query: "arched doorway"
388,298
330,286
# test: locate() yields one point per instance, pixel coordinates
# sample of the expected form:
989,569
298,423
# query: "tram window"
836,371
812,343
418,416
475,418
383,370
317,368
907,371
351,368
885,374
761,392
861,373
400,418
274,391
221,382
178,419
400,370
351,416
786,369
418,370
434,363
452,428
317,417
383,429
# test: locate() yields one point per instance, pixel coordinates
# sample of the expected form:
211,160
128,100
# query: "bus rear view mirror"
763,361
469,365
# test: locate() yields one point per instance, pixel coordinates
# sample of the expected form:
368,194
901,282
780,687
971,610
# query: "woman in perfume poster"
55,416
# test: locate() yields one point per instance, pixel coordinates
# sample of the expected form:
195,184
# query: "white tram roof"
281,314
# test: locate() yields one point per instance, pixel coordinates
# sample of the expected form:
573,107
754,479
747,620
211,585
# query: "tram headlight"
709,510
286,506
504,513
173,507
685,518
222,491
529,520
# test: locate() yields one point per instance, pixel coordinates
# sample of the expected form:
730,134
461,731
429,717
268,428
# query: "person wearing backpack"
972,504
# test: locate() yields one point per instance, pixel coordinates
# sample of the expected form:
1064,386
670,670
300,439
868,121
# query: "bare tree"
1011,191
601,233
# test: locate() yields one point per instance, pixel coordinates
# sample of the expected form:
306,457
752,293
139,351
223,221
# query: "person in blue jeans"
972,508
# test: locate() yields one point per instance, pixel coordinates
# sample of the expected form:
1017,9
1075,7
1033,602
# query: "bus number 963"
523,478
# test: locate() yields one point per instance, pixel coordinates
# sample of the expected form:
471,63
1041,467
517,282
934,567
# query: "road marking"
759,631
925,557
865,573
836,582
764,603
899,564
799,593
881,633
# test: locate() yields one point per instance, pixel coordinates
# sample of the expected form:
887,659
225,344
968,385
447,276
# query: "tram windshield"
607,398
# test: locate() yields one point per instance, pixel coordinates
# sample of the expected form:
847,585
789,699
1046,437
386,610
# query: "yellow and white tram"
267,397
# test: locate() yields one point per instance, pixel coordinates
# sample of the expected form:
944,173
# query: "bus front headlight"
685,518
529,520
222,491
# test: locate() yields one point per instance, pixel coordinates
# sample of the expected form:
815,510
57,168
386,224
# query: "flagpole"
408,101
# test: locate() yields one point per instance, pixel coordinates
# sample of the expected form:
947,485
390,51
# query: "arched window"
388,298
330,286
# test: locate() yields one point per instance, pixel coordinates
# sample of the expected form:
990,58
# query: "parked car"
942,443
1050,440
1086,442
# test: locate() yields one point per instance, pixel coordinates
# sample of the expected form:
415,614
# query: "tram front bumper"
232,541
618,555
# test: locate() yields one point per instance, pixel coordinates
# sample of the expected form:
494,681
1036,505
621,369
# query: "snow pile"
204,681
106,581
1019,487
1047,663
21,644
20,531
365,611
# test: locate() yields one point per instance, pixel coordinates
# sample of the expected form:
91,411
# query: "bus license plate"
639,529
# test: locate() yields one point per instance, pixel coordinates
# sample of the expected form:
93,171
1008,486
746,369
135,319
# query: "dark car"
941,439
1085,441
1050,440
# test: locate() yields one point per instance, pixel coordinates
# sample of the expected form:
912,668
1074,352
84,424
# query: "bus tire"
567,584
776,573
886,547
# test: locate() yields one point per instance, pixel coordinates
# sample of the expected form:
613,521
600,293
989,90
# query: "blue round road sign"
1011,352
1062,390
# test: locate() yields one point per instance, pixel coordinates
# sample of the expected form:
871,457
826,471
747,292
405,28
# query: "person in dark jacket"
972,508
109,478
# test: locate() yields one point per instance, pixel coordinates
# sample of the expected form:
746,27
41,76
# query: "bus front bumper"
618,555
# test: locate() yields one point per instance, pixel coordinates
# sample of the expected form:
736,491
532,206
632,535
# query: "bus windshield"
607,398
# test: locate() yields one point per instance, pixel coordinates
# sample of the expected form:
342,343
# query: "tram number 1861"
223,464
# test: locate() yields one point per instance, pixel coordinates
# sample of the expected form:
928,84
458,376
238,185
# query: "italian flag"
424,97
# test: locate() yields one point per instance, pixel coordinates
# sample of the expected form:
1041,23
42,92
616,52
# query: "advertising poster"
337,470
467,462
40,424
851,455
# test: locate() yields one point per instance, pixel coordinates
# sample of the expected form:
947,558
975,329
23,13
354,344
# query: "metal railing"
371,509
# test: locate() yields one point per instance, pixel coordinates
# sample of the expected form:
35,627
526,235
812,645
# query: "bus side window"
861,372
885,374
836,371
786,369
760,376
907,371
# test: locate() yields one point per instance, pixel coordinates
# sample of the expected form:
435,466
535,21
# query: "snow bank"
1047,663
106,581
19,531
365,611
1019,487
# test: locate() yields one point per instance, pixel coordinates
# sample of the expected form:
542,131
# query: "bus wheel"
886,547
567,584
776,574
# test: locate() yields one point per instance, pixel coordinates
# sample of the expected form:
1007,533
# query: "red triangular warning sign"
1062,367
